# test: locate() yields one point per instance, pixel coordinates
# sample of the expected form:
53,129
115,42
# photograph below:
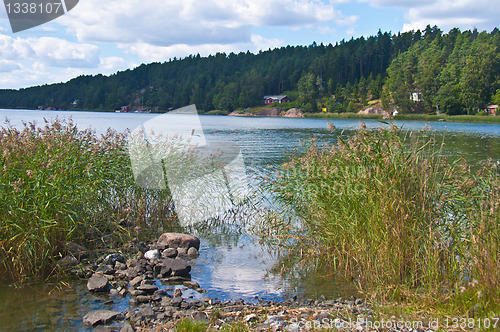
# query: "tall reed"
385,209
59,184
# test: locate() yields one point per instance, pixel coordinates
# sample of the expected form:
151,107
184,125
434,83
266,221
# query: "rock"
127,327
251,317
120,266
176,301
374,110
105,269
152,254
111,259
76,250
144,314
137,292
293,113
177,266
98,317
169,253
193,253
98,283
136,281
68,261
148,289
177,292
106,329
191,284
141,246
143,299
179,240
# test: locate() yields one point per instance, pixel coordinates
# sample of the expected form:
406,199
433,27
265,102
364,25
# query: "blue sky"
107,36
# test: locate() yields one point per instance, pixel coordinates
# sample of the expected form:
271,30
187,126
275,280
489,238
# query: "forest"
454,73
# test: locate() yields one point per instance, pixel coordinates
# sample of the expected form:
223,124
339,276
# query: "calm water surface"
227,269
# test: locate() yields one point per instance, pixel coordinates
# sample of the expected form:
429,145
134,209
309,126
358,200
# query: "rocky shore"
271,112
156,279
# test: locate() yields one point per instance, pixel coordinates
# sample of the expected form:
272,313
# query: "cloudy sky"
107,36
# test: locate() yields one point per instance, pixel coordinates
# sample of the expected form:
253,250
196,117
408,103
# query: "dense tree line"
454,73
334,76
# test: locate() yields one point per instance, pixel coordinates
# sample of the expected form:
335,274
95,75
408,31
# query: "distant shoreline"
346,115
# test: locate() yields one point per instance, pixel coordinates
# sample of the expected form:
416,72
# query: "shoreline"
306,115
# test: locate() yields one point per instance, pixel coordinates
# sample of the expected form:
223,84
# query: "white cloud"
149,53
49,50
33,61
7,66
190,22
447,14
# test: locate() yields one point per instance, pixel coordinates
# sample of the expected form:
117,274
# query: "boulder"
193,253
98,317
177,267
98,283
293,113
179,240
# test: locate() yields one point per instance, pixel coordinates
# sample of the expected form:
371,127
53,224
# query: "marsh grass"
384,209
59,184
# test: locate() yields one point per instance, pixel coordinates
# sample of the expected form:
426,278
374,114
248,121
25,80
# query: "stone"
177,292
99,317
137,292
191,284
152,254
120,266
143,299
193,253
179,240
145,313
106,329
136,281
105,269
178,267
98,283
76,250
148,289
127,327
169,253
111,259
176,301
68,261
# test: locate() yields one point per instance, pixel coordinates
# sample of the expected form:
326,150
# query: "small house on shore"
492,109
268,100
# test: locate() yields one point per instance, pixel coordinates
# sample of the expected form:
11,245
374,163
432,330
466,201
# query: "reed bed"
60,184
384,209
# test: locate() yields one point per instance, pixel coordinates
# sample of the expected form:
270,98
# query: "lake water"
228,269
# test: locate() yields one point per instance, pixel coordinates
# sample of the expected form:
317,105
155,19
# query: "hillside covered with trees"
457,73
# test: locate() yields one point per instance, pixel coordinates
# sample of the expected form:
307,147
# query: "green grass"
384,209
59,184
419,117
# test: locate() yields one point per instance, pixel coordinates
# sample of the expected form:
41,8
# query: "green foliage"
457,73
188,325
62,184
385,209
226,81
